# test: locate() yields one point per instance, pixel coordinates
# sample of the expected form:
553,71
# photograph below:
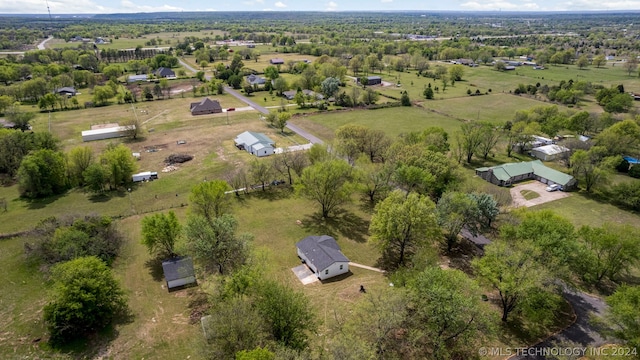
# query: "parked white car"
554,187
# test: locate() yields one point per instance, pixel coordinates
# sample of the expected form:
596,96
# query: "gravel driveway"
538,187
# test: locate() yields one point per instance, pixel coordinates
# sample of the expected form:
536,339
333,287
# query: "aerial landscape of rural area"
257,180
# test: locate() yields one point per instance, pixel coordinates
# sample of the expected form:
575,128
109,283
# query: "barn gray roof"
321,251
178,268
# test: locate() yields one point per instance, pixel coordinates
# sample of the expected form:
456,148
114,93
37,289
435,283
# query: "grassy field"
393,121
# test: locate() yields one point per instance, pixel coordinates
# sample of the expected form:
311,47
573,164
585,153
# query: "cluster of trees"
540,247
43,170
76,253
210,234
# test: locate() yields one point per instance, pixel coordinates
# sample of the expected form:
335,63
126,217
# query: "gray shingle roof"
321,250
178,268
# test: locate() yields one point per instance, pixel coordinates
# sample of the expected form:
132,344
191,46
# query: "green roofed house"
507,174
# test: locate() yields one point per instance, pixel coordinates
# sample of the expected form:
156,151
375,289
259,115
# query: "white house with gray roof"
254,143
323,256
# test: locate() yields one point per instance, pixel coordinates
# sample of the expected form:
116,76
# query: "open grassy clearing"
496,108
582,209
393,121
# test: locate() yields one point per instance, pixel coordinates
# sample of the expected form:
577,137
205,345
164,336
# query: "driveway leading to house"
304,274
537,187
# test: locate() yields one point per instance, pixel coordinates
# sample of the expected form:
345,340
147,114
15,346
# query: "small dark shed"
179,272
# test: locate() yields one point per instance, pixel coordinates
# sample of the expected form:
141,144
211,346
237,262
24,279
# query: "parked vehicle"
554,187
145,176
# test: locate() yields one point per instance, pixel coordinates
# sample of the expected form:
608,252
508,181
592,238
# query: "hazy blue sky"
104,6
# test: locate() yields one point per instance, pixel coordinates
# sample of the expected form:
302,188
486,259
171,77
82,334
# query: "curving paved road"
41,46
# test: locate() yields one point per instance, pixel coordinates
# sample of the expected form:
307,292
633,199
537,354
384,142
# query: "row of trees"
47,172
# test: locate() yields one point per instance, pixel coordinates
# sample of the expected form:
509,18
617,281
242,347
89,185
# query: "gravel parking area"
538,187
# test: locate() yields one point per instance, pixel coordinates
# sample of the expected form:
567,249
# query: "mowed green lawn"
393,121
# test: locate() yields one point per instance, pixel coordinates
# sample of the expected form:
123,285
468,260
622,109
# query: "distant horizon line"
498,11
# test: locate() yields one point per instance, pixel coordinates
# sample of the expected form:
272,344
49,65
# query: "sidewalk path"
366,267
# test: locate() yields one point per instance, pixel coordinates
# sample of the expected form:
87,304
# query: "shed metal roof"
178,268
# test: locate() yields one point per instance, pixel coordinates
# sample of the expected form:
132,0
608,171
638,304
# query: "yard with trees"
393,183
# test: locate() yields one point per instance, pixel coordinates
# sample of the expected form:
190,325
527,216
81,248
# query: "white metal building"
323,256
254,143
549,152
106,133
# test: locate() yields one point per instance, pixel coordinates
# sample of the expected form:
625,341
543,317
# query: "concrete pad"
538,187
304,274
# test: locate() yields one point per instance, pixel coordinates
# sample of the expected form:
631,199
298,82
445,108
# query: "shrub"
634,172
623,166
86,299
58,240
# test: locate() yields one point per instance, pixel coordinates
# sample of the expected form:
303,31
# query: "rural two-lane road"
296,129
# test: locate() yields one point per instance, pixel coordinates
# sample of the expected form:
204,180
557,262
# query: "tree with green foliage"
488,139
330,87
160,232
255,354
79,159
65,238
329,183
95,177
19,117
450,320
623,314
514,272
102,94
455,211
281,121
456,72
582,62
261,172
119,165
208,199
592,167
404,99
287,312
488,208
214,244
86,298
271,72
471,137
370,96
428,92
620,138
42,173
288,161
599,60
233,326
280,85
552,235
607,252
374,180
401,225
614,101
